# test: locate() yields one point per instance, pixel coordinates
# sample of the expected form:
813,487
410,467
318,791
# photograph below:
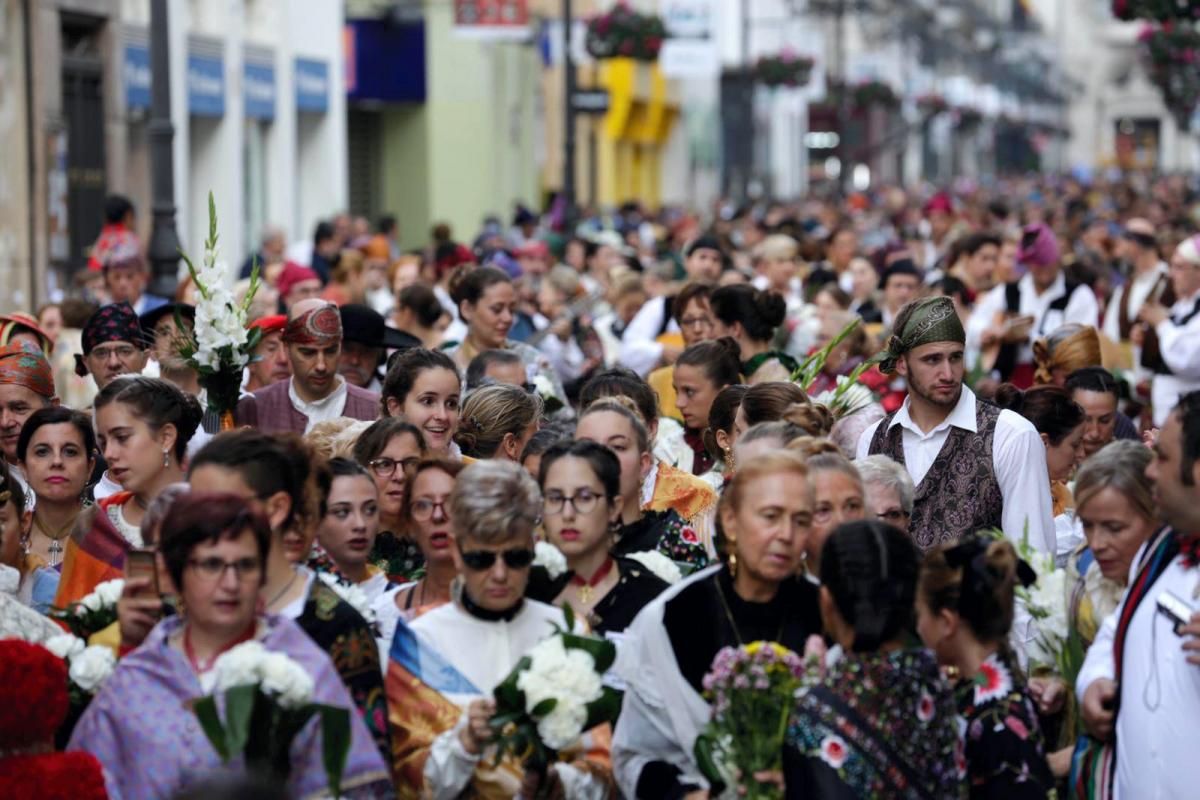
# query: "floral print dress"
880,725
1006,757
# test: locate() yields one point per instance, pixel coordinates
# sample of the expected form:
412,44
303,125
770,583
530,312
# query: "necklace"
56,547
284,590
588,587
737,634
201,666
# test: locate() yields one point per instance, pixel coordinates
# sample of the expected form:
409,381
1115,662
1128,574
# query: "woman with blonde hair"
346,282
1070,347
497,421
752,595
838,493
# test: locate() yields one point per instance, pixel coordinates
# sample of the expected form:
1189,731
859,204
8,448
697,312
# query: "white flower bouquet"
850,396
219,346
553,695
88,667
268,701
94,612
549,558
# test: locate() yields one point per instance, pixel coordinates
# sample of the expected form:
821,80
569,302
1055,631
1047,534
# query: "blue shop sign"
205,86
312,85
136,71
258,89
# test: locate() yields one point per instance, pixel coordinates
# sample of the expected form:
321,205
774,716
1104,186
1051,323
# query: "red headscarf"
320,327
23,364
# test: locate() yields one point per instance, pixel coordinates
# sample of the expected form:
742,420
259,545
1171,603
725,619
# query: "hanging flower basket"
1170,55
625,33
785,69
874,93
1160,10
932,104
967,117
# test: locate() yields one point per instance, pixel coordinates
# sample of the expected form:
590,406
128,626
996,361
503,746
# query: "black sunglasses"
480,560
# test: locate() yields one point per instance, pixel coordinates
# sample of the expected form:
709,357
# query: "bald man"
315,392
1148,280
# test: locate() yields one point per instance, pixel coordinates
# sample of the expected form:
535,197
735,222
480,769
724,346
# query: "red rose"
689,535
833,751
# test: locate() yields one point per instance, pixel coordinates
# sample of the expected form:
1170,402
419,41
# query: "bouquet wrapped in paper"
219,346
554,694
268,701
752,691
94,612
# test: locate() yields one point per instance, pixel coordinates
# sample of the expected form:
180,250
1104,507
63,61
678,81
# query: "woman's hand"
477,732
1049,693
1060,762
138,611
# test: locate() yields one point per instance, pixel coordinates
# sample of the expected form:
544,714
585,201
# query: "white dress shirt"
1180,348
1082,308
1139,287
640,350
329,407
1018,462
1160,693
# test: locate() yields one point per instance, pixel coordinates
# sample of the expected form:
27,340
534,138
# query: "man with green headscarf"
975,466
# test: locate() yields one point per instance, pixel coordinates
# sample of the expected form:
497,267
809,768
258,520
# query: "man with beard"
316,392
975,466
366,339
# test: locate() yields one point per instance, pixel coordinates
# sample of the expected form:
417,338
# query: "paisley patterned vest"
959,494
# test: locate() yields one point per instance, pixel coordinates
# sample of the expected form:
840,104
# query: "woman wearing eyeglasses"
446,663
581,506
428,515
391,449
889,490
215,549
838,493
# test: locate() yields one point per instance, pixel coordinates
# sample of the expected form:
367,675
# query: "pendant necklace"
56,548
588,587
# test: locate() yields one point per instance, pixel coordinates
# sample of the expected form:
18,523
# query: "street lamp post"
164,240
568,184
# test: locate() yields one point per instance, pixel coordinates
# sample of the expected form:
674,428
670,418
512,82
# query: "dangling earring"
729,466
732,561
166,459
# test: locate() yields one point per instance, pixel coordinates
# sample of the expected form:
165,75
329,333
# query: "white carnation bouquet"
549,558
219,346
553,695
94,612
268,701
88,667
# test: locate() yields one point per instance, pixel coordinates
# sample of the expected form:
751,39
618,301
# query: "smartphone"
142,563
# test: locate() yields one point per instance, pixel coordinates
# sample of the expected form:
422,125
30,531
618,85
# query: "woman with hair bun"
1061,423
699,375
750,317
497,421
882,722
776,401
143,426
964,615
718,436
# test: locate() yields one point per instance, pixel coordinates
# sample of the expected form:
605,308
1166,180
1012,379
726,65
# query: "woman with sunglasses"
581,506
391,449
140,726
428,515
446,663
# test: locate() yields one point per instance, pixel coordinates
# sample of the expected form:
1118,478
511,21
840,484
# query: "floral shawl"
879,725
1005,754
151,745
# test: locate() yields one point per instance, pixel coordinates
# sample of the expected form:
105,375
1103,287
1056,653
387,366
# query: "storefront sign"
312,85
136,73
492,19
205,86
258,90
690,50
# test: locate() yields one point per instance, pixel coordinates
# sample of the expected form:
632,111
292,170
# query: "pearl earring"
166,458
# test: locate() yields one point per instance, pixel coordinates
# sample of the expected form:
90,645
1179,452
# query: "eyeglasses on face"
213,568
423,509
583,501
124,352
694,322
480,560
385,467
893,516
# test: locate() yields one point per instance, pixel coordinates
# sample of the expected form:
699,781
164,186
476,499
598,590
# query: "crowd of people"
853,428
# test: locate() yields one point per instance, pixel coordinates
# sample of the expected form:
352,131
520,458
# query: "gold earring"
729,466
732,561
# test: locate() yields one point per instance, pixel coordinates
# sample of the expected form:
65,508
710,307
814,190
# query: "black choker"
490,616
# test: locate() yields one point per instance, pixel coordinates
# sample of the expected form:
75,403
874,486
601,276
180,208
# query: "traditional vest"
960,493
1159,365
1151,358
270,409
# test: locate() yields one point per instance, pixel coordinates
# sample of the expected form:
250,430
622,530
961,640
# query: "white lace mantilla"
130,533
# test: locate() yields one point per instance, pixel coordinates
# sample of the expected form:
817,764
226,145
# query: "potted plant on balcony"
1171,56
932,104
874,93
1161,10
785,69
624,32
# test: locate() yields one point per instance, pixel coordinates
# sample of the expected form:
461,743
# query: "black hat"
705,242
364,325
901,266
150,318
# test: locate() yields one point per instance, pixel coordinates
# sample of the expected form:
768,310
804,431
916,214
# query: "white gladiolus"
550,558
287,680
92,667
66,645
659,564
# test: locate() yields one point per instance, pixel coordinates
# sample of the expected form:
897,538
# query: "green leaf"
508,696
205,710
501,721
335,744
239,707
807,372
706,761
543,708
605,709
602,651
569,616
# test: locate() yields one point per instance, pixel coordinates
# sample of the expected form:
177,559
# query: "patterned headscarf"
320,327
22,364
116,322
16,322
932,319
1078,348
